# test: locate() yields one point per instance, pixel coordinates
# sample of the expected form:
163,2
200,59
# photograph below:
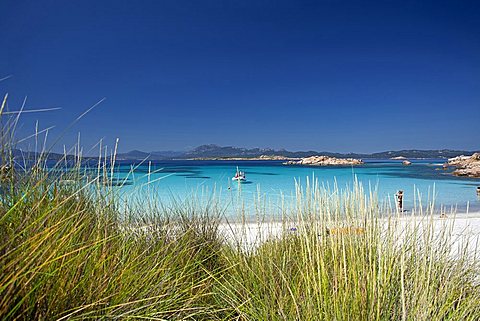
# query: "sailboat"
239,176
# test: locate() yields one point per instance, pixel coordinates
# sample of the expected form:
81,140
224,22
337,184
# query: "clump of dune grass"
68,252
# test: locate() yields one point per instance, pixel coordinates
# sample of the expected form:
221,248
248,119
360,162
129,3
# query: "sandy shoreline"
461,227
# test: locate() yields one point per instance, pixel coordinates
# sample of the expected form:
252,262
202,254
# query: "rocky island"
322,160
466,165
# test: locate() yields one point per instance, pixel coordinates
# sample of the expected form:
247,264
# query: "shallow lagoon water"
166,180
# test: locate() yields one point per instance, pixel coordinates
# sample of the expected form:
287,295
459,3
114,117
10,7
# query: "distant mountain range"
215,151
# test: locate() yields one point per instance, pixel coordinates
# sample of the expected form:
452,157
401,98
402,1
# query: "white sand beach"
463,229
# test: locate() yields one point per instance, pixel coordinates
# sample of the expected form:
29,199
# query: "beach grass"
70,249
67,254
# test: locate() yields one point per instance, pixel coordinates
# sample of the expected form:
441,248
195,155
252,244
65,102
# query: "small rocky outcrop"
325,161
466,165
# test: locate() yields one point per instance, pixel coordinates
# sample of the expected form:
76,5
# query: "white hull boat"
239,176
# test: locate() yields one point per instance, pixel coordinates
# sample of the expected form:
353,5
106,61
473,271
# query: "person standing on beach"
399,197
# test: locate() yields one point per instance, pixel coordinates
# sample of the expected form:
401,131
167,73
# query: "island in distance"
322,160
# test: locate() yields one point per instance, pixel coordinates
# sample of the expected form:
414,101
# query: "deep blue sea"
179,180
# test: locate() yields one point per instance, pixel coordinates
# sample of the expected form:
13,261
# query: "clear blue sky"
359,76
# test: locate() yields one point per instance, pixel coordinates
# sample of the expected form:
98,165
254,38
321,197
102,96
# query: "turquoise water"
271,179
